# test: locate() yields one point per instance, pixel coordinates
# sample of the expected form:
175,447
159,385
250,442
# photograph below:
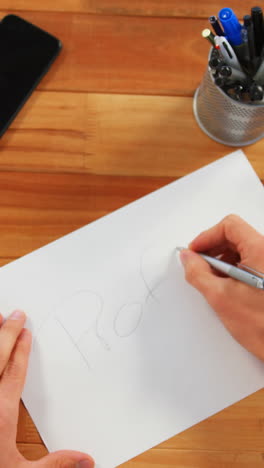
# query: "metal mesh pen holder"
225,120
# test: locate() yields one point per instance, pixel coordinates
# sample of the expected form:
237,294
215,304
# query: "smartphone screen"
26,53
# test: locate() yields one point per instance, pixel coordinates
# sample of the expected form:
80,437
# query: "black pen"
253,61
216,26
248,25
215,62
239,89
220,81
257,19
256,92
232,73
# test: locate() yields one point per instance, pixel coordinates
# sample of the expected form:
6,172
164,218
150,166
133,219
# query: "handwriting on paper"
81,313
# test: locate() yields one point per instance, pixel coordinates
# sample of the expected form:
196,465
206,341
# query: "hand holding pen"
238,305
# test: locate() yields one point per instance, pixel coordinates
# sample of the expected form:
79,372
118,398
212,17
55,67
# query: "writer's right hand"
239,306
15,343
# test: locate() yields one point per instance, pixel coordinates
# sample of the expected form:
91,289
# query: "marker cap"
247,21
231,26
257,11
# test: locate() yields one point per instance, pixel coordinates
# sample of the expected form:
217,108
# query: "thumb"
65,459
198,273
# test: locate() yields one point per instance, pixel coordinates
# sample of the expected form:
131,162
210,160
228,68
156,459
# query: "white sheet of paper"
126,354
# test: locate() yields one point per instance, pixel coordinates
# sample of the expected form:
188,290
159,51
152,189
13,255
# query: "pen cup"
224,119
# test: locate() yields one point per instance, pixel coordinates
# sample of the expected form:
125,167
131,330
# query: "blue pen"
233,31
231,25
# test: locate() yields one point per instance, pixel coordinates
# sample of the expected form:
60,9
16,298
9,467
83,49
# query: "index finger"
13,378
232,232
9,333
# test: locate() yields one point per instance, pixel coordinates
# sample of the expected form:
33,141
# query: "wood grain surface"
110,122
167,8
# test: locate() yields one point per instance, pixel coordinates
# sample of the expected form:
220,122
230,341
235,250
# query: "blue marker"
231,25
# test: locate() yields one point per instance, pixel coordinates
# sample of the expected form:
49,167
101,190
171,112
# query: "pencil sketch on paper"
128,319
151,284
82,314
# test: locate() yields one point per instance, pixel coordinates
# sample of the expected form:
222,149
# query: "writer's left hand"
15,344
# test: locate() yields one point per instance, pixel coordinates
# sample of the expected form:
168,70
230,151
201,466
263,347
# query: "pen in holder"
224,119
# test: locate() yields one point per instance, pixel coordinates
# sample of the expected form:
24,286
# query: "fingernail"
88,463
17,315
184,255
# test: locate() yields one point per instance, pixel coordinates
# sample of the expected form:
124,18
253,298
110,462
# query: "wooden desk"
111,122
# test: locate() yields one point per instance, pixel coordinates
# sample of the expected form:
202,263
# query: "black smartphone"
26,53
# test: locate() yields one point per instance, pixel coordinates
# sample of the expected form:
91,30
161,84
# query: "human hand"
239,306
15,344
